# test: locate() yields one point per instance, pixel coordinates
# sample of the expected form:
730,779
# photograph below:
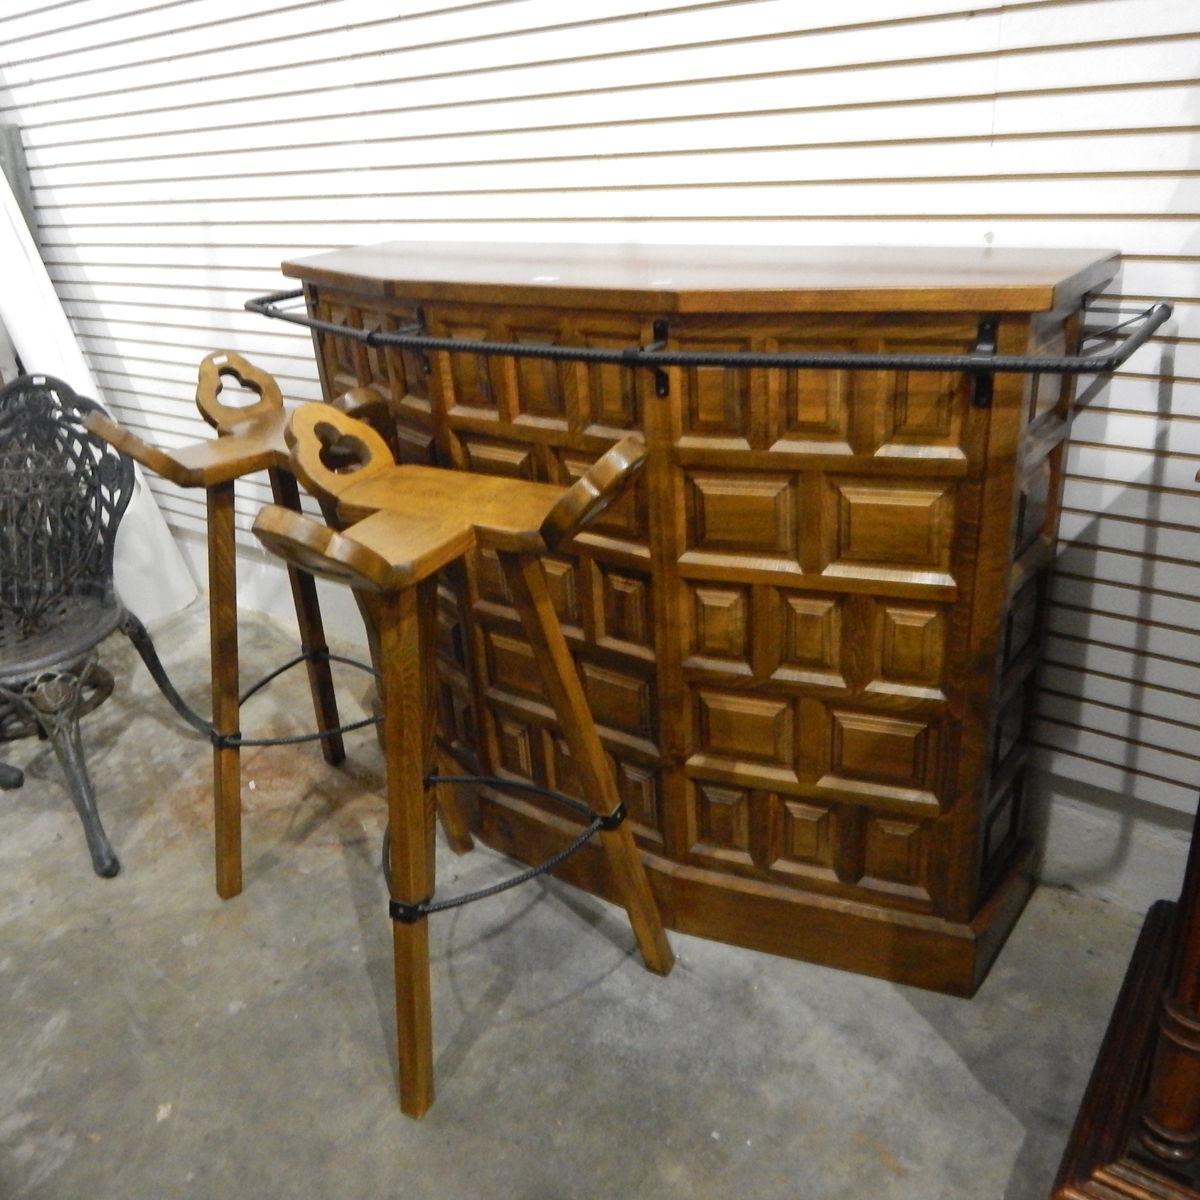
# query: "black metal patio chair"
63,492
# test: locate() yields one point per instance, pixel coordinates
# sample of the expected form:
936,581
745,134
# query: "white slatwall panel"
181,150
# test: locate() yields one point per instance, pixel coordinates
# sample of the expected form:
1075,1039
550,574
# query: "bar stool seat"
402,524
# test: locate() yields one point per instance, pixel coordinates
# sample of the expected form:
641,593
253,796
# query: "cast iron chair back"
63,492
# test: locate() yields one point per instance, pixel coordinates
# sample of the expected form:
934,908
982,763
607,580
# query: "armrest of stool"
313,547
602,484
151,457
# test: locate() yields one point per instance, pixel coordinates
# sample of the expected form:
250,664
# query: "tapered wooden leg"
406,630
455,828
312,629
527,583
450,812
223,642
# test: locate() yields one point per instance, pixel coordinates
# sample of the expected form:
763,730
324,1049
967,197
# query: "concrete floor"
156,1042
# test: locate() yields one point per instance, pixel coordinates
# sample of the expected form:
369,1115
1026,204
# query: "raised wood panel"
619,699
499,458
516,740
890,758
639,788
625,615
867,746
415,443
736,726
511,664
1047,335
896,853
1020,626
1012,724
466,379
1002,826
374,358
812,634
812,407
341,369
1033,501
804,838
911,644
489,577
742,513
717,401
923,410
924,407
876,528
451,635
562,581
721,818
542,386
456,719
612,394
563,775
611,399
720,622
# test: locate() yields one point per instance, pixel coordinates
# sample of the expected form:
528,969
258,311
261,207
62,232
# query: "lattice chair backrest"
63,492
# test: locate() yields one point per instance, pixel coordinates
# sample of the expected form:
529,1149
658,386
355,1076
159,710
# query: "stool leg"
527,583
450,812
223,642
312,630
406,631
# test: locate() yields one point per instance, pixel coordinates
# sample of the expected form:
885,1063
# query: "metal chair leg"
54,699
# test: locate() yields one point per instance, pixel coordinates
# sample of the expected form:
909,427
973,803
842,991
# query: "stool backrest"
223,417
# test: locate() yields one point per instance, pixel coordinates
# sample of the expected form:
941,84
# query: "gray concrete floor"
156,1042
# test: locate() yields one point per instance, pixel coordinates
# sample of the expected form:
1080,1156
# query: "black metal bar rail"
982,362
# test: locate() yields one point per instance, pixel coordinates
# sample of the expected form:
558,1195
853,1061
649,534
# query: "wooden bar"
809,634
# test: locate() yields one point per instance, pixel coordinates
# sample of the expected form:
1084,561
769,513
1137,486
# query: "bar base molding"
902,947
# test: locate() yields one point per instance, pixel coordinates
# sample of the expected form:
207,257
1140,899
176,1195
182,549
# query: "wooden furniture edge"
997,297
1096,1164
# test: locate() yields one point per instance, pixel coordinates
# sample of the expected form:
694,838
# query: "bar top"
730,279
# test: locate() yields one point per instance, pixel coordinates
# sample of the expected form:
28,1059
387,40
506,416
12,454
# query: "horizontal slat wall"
181,150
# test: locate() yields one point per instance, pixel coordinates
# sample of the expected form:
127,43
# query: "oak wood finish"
223,653
809,634
249,439
405,629
401,524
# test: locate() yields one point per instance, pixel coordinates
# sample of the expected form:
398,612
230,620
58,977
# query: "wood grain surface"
810,631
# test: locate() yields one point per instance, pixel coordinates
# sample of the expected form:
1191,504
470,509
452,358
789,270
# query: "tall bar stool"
249,439
401,525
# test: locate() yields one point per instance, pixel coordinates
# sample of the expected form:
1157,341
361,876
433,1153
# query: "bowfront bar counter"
809,635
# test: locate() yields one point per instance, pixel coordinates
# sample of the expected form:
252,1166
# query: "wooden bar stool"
401,525
249,439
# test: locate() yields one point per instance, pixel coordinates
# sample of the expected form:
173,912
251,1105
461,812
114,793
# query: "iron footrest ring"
410,914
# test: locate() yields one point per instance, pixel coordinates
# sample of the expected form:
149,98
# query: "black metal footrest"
137,634
410,914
